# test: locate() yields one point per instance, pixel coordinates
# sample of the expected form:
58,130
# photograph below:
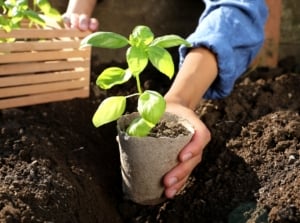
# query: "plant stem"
132,95
138,84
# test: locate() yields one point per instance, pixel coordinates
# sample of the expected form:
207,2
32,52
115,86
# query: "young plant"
143,47
13,12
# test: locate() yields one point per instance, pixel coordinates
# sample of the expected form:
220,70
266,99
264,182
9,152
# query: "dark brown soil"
170,129
56,167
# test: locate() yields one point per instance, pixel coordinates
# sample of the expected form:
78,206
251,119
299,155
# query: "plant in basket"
15,12
144,158
40,60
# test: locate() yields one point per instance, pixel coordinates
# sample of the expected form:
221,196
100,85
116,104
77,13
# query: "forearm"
81,7
197,73
234,31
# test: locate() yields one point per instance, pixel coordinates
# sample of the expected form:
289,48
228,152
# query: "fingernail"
83,23
66,19
172,193
83,26
186,156
172,181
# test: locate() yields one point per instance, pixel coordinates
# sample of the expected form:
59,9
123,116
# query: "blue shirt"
234,31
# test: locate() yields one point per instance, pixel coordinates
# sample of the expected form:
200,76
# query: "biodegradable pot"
145,160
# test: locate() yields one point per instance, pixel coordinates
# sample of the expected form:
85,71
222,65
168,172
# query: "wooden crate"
43,65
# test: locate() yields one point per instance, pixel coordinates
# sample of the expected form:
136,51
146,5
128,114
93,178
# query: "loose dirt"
56,167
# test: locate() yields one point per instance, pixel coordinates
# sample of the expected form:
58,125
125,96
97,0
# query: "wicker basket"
43,65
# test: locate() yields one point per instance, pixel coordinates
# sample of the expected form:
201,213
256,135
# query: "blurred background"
181,17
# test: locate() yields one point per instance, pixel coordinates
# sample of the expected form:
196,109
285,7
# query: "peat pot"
145,160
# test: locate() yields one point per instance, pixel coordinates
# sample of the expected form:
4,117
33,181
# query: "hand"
191,155
80,21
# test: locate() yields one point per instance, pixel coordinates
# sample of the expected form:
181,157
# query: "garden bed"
56,167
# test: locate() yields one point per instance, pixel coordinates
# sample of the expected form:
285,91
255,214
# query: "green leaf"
139,127
137,59
53,13
5,24
17,18
151,106
161,60
21,4
44,6
141,36
48,10
17,10
34,17
113,76
169,41
109,110
105,40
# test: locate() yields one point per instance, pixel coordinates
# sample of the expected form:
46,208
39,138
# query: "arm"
197,73
234,31
78,15
228,36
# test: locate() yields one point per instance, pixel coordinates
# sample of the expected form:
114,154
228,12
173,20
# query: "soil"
56,167
170,129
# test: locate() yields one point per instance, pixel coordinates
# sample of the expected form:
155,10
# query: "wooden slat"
23,68
42,78
43,33
43,65
42,56
43,98
42,88
38,46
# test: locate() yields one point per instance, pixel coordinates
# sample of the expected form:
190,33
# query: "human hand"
80,21
191,155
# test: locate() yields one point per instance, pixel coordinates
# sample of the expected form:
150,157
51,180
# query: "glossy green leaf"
113,76
109,110
141,36
169,41
137,59
161,60
105,40
139,127
151,106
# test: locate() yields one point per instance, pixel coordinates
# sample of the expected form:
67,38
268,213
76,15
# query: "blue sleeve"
234,31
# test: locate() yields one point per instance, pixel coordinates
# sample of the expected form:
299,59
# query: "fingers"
189,158
170,192
177,177
66,20
200,139
94,24
82,22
